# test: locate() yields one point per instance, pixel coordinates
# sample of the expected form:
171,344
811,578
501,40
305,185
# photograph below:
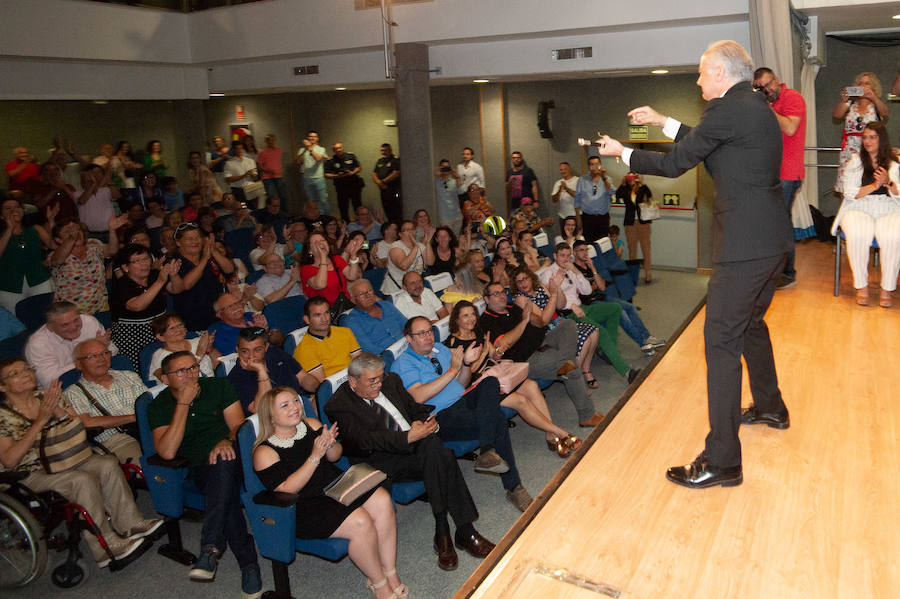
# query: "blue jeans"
316,192
478,413
223,518
631,322
276,186
788,191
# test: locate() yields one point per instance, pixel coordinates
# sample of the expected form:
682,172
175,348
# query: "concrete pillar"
414,129
494,141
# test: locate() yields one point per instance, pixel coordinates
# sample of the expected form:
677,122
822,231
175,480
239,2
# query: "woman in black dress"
287,457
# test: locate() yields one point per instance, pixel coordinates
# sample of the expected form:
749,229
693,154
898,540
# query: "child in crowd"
614,238
173,196
194,203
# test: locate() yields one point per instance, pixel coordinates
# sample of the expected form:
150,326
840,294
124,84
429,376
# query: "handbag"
63,446
358,480
650,211
131,429
341,303
510,374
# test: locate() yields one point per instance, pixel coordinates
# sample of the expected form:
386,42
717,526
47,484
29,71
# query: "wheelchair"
30,527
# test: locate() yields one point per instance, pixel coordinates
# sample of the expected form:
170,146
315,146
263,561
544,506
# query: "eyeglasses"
94,356
230,307
422,334
176,327
185,371
365,293
13,375
144,260
496,293
521,280
438,369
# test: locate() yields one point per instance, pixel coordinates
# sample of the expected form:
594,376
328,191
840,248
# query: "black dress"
132,331
440,265
318,515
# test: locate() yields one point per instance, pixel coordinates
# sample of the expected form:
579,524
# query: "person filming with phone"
860,104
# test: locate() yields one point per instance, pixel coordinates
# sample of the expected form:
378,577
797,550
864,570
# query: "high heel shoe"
402,591
377,585
564,447
885,300
862,296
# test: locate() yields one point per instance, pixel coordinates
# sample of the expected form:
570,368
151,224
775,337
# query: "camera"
445,169
855,90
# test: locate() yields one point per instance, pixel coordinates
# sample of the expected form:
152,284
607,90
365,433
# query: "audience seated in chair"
278,283
171,332
232,318
325,349
288,458
382,425
198,419
438,376
261,366
104,398
375,323
520,335
49,349
417,300
97,483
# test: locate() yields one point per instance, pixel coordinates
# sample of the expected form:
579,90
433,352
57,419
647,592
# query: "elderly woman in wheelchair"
43,438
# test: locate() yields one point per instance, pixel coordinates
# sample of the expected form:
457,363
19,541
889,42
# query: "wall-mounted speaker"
543,118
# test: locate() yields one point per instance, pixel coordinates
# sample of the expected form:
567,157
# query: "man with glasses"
50,348
375,323
198,420
232,318
550,353
438,376
385,427
790,109
592,195
104,399
261,366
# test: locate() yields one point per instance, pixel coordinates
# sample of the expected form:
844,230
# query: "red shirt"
27,179
791,103
270,158
334,284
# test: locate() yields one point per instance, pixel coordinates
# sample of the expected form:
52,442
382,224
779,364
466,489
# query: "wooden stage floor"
818,514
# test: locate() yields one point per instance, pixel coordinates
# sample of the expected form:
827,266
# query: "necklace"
288,443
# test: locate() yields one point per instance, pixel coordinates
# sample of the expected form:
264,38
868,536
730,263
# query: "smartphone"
855,90
431,416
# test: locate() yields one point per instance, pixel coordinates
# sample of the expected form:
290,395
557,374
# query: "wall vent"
570,53
312,69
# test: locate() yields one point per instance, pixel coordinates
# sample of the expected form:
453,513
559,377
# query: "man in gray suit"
739,141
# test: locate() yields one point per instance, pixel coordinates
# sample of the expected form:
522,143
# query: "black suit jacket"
362,433
739,141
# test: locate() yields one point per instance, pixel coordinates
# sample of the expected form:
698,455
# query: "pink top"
270,159
790,103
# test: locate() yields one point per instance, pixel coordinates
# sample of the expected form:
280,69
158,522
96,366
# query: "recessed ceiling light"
481,80
896,17
660,71
101,102
216,95
341,89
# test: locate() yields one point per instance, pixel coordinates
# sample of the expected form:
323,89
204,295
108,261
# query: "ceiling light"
660,71
896,17
341,89
216,95
481,80
101,102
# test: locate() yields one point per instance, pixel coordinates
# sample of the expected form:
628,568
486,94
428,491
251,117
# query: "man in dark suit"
383,426
740,143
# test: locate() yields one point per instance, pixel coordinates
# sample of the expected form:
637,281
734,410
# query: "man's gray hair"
77,353
733,58
364,361
59,308
353,285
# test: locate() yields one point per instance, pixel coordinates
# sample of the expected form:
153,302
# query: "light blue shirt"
592,198
415,368
375,335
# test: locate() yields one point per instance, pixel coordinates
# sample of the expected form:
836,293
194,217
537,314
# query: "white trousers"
860,229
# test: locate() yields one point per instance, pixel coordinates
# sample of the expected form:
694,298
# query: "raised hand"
557,279
644,115
105,336
456,358
260,321
473,353
49,402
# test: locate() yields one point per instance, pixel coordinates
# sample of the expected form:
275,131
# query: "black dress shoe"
699,474
475,544
753,415
447,558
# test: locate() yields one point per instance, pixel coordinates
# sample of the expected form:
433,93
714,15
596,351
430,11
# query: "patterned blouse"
83,282
14,425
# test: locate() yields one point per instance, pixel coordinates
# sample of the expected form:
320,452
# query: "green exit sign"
671,199
638,132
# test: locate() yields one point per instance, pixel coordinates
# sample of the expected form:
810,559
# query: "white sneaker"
144,528
651,344
121,548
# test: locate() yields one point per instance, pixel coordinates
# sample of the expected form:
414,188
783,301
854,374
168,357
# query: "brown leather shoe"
475,544
566,368
447,558
592,421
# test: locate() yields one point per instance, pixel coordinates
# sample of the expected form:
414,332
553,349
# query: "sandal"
592,382
885,300
567,445
402,591
862,296
377,585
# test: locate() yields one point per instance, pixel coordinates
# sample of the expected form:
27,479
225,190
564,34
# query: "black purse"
342,303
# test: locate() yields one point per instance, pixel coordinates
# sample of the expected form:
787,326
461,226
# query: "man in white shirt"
418,300
95,200
277,283
50,349
469,172
564,193
239,171
311,158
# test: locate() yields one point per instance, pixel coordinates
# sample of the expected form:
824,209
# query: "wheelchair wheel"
70,574
23,550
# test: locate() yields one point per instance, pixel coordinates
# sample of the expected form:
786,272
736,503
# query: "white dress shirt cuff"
670,129
626,155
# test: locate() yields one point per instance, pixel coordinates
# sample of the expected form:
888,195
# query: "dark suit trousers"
436,466
477,415
738,296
